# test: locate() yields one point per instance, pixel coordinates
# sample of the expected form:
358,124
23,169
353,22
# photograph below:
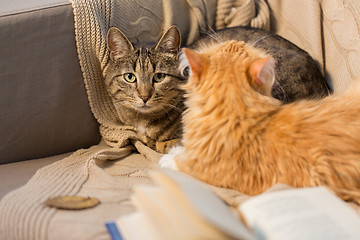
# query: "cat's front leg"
168,160
165,146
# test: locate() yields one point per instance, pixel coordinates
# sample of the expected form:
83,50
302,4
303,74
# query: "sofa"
45,113
44,108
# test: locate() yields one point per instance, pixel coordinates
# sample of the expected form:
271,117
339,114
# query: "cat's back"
297,73
330,123
254,36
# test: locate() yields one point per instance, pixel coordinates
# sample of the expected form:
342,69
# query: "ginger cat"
237,136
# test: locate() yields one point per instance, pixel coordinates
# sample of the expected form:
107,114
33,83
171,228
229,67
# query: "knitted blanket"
109,170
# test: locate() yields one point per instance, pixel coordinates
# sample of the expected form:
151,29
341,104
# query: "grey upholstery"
44,109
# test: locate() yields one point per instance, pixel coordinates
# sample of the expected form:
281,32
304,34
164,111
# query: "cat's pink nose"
145,98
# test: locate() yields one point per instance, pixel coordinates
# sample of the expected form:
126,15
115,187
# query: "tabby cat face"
144,78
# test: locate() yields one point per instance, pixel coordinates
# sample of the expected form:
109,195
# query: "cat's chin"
146,109
149,109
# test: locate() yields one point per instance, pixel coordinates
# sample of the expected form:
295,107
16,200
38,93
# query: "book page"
130,227
204,201
307,213
164,212
172,216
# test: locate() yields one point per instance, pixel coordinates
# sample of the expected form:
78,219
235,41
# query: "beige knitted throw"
94,171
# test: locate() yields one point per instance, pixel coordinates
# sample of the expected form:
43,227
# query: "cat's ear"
262,74
170,41
118,44
196,61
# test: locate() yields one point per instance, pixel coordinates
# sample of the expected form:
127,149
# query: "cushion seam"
33,10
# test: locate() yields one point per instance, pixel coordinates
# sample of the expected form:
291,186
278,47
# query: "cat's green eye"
129,77
159,77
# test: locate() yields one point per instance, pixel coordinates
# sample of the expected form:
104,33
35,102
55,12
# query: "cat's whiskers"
260,39
123,102
160,100
216,37
278,86
167,113
119,101
172,106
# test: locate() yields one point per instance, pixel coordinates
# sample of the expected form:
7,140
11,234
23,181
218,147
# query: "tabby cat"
296,72
143,80
236,135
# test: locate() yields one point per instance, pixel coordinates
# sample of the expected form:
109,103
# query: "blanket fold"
110,169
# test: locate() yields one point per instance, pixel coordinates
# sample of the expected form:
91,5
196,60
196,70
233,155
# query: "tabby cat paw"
165,146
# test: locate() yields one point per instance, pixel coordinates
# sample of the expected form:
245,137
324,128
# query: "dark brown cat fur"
237,136
297,73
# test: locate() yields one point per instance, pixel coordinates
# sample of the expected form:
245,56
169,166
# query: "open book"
181,207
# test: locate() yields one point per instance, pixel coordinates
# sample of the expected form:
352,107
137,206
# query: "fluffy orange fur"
237,136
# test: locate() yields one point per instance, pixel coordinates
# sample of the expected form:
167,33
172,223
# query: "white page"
307,213
210,206
126,225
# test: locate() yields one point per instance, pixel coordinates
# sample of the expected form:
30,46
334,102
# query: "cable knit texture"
90,172
252,13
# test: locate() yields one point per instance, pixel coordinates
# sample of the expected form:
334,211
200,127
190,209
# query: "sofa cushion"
43,103
14,175
22,6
